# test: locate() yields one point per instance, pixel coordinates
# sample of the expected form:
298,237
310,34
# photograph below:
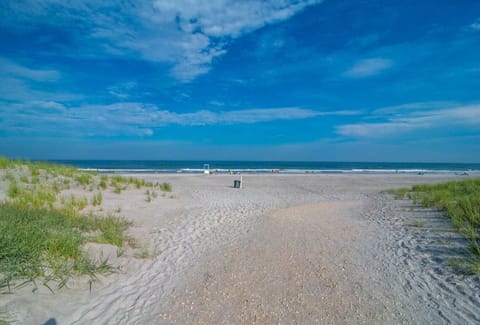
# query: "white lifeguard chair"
206,169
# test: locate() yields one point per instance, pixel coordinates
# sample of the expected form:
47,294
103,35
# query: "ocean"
282,167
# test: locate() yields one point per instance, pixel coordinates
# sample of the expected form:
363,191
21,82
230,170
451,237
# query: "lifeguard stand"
206,169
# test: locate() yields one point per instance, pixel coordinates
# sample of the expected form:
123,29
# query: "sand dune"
284,249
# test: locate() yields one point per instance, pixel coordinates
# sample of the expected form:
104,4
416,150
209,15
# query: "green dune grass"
459,201
43,243
42,231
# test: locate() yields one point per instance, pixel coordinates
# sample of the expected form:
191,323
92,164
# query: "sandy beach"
289,249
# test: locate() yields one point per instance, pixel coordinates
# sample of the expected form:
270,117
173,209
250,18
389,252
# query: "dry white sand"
289,249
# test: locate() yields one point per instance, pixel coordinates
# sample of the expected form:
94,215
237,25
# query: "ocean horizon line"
262,167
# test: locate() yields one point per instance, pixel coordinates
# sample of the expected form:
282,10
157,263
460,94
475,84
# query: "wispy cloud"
476,25
206,117
15,70
413,107
132,118
122,90
20,82
397,122
368,67
186,34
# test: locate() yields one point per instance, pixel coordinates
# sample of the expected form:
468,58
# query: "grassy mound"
42,229
41,243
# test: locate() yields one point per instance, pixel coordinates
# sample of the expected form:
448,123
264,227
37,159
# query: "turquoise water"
282,167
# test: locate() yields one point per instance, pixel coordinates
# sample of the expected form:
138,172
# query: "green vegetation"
37,197
110,229
103,182
34,169
118,188
166,187
41,234
120,183
9,177
4,318
117,183
7,163
42,243
97,199
144,253
118,179
460,201
72,205
42,229
151,194
419,224
84,179
139,183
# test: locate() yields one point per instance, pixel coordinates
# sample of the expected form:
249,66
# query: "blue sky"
251,80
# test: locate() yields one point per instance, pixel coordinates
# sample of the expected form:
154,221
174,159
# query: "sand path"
303,265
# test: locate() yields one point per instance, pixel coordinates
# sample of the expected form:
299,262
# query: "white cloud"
414,106
122,90
408,121
8,68
227,18
132,118
362,130
476,25
151,116
202,30
187,34
246,116
51,105
20,83
262,115
368,67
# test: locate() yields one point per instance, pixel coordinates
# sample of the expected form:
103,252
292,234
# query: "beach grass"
4,318
166,187
42,229
419,224
44,243
97,199
460,202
